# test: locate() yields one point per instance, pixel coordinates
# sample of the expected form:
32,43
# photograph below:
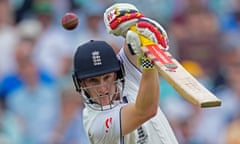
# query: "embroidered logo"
111,16
108,122
96,58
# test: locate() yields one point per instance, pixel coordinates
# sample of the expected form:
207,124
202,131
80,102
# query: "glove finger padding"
120,17
134,43
153,31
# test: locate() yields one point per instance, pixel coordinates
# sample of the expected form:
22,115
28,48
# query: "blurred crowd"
39,105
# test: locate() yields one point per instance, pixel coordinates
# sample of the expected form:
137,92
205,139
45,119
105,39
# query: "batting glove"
148,29
120,17
134,45
152,30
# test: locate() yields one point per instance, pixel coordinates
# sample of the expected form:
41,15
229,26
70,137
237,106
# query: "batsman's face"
102,89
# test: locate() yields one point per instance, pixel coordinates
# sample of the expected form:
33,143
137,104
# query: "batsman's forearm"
148,96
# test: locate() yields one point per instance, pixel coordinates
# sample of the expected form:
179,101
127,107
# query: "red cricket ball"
70,21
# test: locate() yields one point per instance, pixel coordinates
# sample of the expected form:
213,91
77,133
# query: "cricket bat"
177,76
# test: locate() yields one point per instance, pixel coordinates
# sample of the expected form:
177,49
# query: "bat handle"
144,41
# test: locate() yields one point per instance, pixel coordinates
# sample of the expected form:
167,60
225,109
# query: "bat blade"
183,82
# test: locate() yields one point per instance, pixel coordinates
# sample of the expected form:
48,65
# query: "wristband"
145,63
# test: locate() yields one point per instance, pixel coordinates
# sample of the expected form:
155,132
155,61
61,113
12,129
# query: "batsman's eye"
108,78
104,79
92,82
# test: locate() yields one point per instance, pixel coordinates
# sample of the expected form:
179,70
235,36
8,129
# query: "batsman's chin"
104,101
108,100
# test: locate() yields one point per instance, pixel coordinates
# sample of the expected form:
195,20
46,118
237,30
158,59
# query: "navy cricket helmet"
95,58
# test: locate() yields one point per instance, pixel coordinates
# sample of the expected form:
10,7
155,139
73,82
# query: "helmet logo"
112,15
96,58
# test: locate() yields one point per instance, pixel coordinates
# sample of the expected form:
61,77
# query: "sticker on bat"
162,57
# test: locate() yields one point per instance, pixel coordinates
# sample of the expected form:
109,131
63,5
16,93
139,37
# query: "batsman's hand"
134,43
146,31
153,31
120,17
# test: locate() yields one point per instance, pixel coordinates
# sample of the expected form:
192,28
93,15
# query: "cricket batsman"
121,92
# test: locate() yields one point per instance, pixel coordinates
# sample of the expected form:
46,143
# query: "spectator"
53,44
196,36
233,132
69,125
15,79
8,37
10,126
35,102
219,118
